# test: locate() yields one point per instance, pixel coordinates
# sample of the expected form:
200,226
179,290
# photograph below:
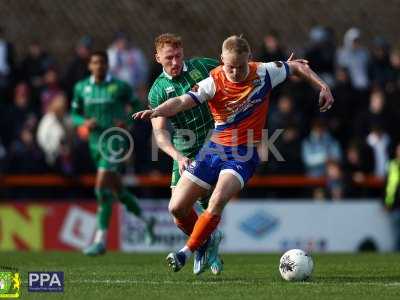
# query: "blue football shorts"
215,159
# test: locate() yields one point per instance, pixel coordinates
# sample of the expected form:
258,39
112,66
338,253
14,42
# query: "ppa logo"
46,282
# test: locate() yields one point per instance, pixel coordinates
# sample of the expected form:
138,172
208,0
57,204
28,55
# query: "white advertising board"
272,226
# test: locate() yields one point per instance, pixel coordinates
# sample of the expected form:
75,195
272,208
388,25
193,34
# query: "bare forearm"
169,108
173,106
166,145
304,71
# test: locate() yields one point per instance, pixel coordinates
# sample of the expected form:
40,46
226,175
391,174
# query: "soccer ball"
296,265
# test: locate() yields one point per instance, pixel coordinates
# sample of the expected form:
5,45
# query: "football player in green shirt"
102,104
191,128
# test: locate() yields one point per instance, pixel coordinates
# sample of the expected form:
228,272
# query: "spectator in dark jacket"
33,67
77,69
271,50
321,53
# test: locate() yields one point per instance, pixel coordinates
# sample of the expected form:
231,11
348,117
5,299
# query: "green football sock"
130,202
104,199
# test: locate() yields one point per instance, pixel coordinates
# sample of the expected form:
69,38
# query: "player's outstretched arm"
168,109
304,71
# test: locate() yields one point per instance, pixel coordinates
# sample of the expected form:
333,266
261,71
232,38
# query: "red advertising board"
52,226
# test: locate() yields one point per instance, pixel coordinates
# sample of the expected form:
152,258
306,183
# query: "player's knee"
177,210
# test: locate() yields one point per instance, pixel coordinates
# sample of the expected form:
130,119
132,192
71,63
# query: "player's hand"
298,60
144,115
183,163
90,123
325,99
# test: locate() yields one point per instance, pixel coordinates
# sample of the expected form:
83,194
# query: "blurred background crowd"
356,138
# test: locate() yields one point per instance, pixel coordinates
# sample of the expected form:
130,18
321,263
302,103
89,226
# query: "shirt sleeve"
203,91
278,72
77,107
210,63
155,97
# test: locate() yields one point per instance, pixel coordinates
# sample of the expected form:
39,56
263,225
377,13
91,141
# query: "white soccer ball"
296,265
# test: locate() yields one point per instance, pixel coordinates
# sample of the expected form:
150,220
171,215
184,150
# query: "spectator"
304,95
54,135
33,67
393,85
379,141
7,67
355,58
376,114
392,194
129,64
3,157
18,114
359,162
284,114
318,148
77,69
25,156
271,49
51,88
340,117
288,145
335,186
321,53
379,68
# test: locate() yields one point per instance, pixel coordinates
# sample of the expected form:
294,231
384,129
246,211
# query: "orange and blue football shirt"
240,109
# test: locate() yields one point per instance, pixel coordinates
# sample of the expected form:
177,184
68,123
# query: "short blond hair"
236,44
167,39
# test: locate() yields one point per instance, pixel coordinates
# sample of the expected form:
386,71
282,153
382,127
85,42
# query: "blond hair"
167,39
236,44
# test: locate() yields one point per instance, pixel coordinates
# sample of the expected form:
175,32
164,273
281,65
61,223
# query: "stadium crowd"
354,139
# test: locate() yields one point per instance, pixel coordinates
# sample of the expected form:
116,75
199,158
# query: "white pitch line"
242,282
135,281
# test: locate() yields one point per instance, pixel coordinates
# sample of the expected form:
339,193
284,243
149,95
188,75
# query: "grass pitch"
145,276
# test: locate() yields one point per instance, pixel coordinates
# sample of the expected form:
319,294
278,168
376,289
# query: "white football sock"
101,236
188,253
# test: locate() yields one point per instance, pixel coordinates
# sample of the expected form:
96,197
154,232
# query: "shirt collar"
184,69
107,79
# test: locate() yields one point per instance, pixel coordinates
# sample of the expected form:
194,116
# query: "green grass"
145,276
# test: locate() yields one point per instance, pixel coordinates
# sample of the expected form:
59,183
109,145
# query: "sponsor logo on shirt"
170,90
195,75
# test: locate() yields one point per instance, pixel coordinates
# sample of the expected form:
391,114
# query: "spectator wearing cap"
77,68
379,67
341,117
321,53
